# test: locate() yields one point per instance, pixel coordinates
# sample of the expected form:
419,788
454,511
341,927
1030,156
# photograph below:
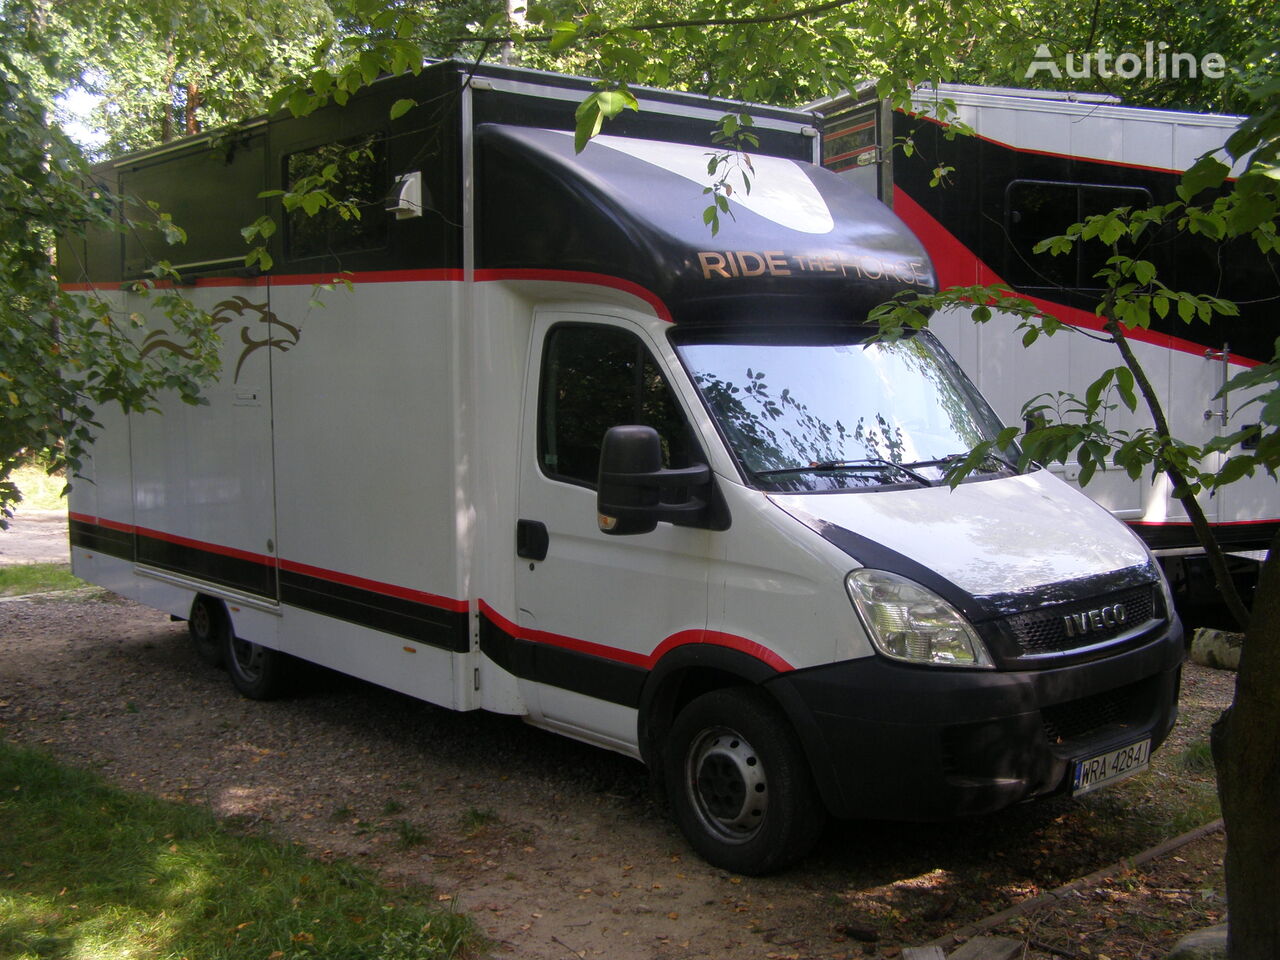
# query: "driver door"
596,606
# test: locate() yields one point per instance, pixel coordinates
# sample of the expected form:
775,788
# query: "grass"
21,579
39,490
408,835
475,820
1198,759
92,871
1178,794
342,813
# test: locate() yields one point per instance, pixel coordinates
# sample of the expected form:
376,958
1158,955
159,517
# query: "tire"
258,672
740,785
209,626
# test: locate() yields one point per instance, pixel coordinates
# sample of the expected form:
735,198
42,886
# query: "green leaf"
613,102
562,35
1252,377
321,82
401,107
1111,231
1124,384
1206,172
1087,470
589,118
300,103
1093,393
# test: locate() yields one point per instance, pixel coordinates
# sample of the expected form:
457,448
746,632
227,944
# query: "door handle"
532,539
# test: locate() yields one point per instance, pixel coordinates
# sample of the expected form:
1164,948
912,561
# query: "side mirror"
632,484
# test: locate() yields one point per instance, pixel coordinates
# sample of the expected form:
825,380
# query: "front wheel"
740,785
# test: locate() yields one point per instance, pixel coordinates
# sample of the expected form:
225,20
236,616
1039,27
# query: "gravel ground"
557,849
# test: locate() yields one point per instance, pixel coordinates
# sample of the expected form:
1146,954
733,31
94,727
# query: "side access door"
595,610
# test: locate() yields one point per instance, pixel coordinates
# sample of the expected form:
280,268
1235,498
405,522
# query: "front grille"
1046,630
1077,719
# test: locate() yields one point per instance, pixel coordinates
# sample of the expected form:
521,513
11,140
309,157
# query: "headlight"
913,624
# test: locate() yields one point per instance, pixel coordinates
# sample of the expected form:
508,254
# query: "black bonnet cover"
803,243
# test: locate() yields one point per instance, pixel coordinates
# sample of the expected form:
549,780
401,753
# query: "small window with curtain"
594,378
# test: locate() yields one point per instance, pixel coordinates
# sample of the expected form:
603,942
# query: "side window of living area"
340,188
1035,210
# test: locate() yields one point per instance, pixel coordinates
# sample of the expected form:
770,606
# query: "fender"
707,666
690,670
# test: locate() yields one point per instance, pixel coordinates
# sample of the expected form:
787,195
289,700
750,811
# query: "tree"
63,355
167,68
734,48
1080,27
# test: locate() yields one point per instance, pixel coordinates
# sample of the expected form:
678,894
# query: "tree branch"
657,25
1204,533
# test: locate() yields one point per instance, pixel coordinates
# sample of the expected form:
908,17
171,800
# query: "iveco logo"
1088,621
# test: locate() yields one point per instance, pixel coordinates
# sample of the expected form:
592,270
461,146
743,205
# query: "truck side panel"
370,481
203,485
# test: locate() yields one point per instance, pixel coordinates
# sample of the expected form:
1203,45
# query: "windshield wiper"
829,466
953,458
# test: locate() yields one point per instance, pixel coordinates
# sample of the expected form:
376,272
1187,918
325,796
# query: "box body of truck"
526,436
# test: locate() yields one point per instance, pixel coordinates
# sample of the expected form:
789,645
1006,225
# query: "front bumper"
892,741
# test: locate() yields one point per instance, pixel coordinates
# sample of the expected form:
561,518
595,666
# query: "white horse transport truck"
556,450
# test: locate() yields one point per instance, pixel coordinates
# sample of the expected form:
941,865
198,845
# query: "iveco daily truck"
556,450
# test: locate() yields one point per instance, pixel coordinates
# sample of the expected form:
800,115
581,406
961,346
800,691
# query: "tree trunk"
1246,738
1246,753
193,107
166,121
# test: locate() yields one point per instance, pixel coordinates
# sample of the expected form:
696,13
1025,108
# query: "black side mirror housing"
634,492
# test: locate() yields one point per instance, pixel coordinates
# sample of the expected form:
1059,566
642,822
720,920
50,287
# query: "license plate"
1109,767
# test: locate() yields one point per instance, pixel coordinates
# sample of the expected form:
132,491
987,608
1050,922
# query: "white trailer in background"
1039,161
558,452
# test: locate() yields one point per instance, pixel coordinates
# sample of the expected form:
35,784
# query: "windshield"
825,410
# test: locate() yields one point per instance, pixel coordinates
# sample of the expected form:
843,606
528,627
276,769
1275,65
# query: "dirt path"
557,849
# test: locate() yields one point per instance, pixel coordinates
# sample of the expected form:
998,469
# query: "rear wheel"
209,627
740,785
258,672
